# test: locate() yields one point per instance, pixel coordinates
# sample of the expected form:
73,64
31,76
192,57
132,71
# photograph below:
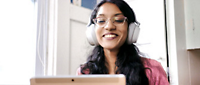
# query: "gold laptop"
105,79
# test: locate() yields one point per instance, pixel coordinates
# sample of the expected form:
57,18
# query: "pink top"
156,75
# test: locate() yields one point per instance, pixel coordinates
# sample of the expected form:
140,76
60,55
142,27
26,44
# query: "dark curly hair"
128,60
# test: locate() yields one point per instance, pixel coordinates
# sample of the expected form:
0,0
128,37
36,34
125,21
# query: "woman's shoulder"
150,62
155,72
153,66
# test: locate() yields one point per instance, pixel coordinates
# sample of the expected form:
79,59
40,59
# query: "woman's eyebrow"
114,14
118,14
100,15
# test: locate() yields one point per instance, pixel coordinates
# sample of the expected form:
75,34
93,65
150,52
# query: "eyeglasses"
102,21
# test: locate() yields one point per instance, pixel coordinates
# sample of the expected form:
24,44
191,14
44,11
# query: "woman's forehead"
109,9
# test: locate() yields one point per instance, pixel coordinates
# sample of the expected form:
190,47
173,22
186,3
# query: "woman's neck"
111,57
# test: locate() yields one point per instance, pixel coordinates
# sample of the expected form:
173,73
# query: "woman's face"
111,35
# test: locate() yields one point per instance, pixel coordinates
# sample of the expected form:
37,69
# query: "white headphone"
133,32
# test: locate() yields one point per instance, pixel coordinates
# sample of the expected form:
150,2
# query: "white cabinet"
192,23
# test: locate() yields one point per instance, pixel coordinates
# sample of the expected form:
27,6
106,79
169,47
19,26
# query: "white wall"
71,45
184,64
192,20
79,47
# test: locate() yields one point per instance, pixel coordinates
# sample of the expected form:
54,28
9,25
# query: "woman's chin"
110,47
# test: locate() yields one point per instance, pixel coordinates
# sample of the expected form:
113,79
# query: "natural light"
18,42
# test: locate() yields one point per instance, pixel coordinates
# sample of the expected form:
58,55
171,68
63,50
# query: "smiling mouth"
110,35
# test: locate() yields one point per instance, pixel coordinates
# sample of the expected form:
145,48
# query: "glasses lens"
119,20
100,21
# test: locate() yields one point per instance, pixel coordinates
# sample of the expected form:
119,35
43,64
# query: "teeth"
109,35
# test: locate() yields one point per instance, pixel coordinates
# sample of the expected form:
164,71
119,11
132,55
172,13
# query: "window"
18,41
90,4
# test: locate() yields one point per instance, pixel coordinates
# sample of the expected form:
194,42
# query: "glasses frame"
95,19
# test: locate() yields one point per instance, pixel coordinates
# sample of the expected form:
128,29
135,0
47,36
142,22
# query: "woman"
114,52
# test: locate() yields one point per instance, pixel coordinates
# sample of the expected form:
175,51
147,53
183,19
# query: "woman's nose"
110,26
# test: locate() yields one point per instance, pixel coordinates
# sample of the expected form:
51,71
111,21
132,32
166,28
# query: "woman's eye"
119,21
100,21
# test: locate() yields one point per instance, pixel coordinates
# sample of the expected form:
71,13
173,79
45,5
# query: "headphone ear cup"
133,32
91,36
